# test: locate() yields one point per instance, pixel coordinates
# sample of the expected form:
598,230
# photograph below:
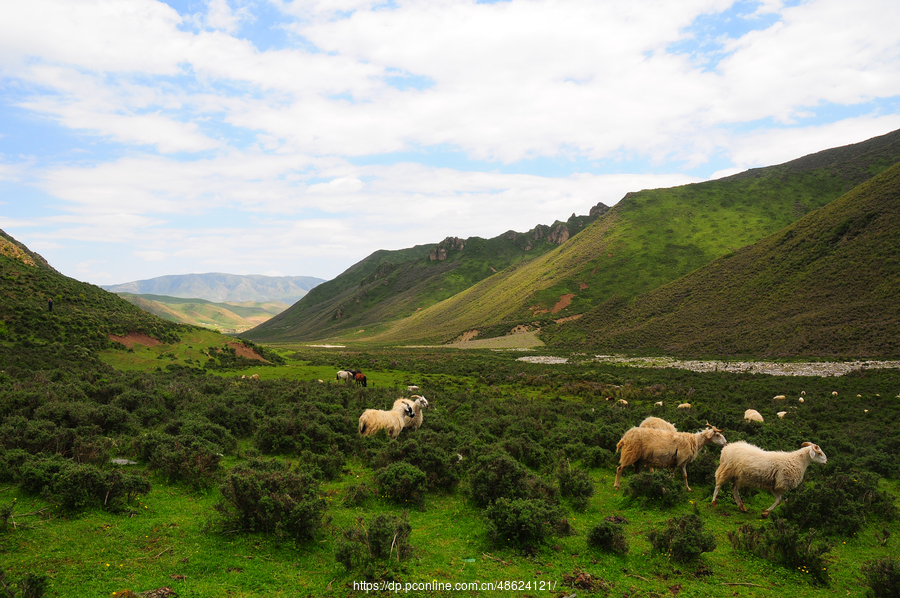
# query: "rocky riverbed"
809,368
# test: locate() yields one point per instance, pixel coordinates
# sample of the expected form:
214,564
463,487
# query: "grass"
166,533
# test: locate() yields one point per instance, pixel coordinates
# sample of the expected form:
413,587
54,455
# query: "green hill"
82,318
389,285
649,239
825,286
227,317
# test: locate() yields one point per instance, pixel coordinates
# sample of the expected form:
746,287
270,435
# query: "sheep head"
422,401
713,435
816,454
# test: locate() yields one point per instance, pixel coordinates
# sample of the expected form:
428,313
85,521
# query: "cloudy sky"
140,138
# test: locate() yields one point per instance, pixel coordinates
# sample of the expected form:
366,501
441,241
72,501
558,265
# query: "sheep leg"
737,497
684,471
715,500
618,475
775,504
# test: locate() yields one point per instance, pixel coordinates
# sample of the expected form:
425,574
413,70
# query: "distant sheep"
664,449
834,393
779,398
392,422
657,423
684,406
254,377
800,400
412,388
781,414
622,402
776,471
752,415
658,404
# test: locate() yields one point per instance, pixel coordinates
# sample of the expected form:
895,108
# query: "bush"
268,497
181,458
30,586
357,495
608,536
402,482
497,475
839,503
369,551
525,523
682,539
576,485
659,488
84,486
883,577
782,542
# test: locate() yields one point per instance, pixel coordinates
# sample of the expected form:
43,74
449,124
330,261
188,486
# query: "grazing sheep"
801,400
752,415
834,393
412,388
657,424
779,398
392,422
622,402
418,405
776,471
684,406
658,404
781,414
664,449
254,377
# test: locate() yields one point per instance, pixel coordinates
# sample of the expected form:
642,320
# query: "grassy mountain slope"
651,238
226,317
825,286
219,288
389,285
82,319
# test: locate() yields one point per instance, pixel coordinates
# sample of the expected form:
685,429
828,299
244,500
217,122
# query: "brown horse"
360,379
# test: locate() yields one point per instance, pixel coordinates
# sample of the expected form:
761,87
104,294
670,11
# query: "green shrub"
682,539
376,551
782,542
30,586
497,475
525,523
596,456
402,482
608,536
839,503
660,488
181,458
883,577
268,497
83,486
357,495
576,485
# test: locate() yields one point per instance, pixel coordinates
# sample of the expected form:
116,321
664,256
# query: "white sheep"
752,415
657,423
418,405
684,406
622,402
781,414
412,388
658,404
800,400
664,449
779,398
392,422
776,471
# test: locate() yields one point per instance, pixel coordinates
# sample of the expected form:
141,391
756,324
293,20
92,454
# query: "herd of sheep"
656,443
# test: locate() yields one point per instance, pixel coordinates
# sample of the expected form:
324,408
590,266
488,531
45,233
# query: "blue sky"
141,138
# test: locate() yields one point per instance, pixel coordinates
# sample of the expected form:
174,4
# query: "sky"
141,138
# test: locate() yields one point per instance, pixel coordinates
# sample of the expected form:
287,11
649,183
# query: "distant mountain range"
575,289
220,288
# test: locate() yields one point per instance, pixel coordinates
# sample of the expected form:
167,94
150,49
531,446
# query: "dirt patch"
582,286
564,301
568,318
245,352
133,338
467,336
